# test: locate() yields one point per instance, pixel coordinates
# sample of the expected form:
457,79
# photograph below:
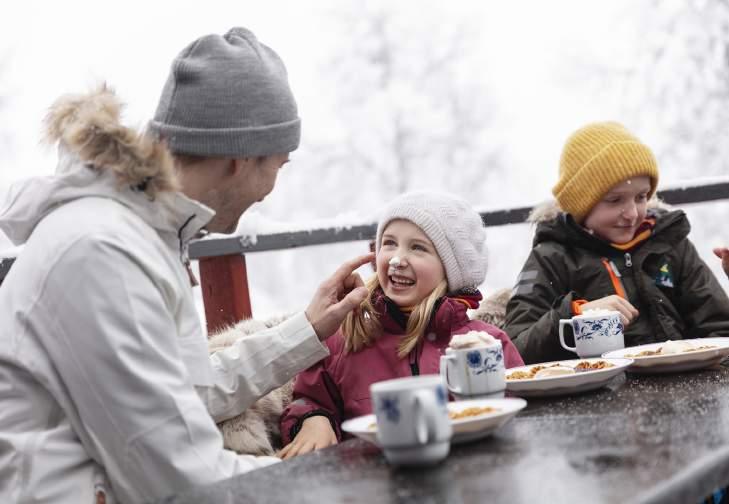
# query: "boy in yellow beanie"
604,246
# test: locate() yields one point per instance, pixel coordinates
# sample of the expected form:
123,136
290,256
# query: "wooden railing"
223,274
224,277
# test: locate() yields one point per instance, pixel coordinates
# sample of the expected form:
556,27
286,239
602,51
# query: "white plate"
565,384
464,429
672,363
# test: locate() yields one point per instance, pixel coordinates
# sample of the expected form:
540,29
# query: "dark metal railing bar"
280,241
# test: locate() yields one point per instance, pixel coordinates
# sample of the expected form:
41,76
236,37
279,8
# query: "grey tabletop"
643,439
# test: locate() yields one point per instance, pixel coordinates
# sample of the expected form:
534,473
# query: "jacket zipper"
628,260
414,367
615,275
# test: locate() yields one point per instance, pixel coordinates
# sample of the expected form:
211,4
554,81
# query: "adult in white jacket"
106,386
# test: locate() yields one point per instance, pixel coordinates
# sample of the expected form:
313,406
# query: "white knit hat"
456,230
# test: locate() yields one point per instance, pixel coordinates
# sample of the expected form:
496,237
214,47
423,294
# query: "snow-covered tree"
410,106
680,86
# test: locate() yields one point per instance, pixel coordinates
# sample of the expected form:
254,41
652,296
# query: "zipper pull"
628,260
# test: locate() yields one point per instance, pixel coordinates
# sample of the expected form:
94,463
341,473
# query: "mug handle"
562,323
425,422
444,359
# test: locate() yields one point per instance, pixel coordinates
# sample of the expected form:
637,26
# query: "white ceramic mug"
594,334
474,371
413,427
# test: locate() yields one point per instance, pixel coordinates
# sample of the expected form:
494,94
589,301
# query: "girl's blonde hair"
362,326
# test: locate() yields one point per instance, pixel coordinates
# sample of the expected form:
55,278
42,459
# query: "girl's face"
621,210
419,270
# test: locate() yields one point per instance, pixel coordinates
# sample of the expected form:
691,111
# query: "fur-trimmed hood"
552,224
549,210
98,156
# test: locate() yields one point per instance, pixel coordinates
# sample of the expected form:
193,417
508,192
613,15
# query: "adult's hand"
336,297
723,254
316,433
628,312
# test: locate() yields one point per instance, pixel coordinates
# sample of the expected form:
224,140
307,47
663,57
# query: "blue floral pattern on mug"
390,406
488,363
607,327
441,396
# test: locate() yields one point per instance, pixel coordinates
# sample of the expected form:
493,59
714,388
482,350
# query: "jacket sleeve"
315,393
703,303
255,364
540,299
107,328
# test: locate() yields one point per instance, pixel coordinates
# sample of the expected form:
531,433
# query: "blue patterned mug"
474,371
413,427
595,334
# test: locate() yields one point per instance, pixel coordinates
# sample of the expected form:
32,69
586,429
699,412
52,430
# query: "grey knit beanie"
456,230
228,96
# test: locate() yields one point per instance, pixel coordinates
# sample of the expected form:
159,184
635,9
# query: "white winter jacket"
105,379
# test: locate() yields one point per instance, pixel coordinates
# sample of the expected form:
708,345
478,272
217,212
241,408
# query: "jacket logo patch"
664,278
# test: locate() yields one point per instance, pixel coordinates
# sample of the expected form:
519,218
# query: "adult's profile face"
250,181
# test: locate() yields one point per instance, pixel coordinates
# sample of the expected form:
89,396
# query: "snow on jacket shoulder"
105,379
338,386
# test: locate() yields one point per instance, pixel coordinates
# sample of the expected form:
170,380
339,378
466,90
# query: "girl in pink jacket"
431,257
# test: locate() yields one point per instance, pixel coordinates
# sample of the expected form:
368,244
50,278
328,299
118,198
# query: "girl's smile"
408,266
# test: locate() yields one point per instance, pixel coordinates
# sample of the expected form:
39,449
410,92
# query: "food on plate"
472,339
671,347
542,371
592,366
554,371
471,412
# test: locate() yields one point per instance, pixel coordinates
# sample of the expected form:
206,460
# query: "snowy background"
476,98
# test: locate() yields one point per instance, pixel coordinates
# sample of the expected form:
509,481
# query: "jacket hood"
552,224
99,157
549,210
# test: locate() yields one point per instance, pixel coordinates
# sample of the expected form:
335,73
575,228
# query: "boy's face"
420,269
621,210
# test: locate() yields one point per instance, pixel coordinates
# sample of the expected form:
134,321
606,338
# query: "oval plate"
565,384
674,363
464,429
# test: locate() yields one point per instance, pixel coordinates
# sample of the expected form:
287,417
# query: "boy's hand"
316,433
628,313
723,254
336,297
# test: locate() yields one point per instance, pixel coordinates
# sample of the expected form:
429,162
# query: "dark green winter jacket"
678,297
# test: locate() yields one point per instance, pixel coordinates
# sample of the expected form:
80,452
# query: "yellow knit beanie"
594,159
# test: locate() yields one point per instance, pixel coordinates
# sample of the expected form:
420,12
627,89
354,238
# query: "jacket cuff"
562,308
300,334
317,412
577,306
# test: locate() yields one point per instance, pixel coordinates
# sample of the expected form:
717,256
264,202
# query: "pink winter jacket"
338,386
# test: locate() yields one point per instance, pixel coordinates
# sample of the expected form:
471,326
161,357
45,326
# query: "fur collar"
549,210
89,127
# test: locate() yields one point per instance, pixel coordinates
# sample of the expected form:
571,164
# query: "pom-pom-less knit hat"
594,159
456,230
228,96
